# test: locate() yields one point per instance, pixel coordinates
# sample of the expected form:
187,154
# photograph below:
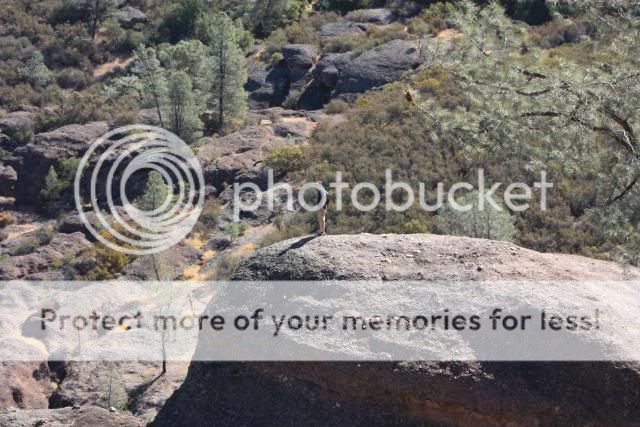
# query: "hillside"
430,93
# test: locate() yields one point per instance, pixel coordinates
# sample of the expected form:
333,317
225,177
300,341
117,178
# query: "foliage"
236,230
581,114
336,106
226,266
183,117
229,74
487,223
284,160
180,22
53,186
36,72
290,226
267,15
155,194
56,184
35,240
113,393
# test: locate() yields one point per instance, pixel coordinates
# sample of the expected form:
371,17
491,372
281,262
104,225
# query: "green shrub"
284,160
29,245
489,223
276,58
336,106
236,230
226,266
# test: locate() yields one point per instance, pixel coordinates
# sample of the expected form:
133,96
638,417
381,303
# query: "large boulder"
342,28
465,393
238,157
375,67
267,84
372,16
17,127
300,58
32,161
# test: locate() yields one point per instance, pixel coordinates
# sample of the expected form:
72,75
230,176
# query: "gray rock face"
129,16
341,28
300,58
372,16
32,161
417,257
411,393
27,260
268,84
14,123
376,67
238,156
25,385
334,75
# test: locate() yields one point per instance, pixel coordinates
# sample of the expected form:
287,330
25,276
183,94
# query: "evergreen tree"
580,112
152,79
229,73
96,12
267,15
183,116
155,193
36,72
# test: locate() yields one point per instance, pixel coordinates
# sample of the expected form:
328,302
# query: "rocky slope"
408,393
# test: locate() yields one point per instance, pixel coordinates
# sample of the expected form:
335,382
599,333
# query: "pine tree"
267,15
229,73
183,117
580,112
155,193
152,77
97,11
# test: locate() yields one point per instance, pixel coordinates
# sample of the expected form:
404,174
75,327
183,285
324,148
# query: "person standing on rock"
322,203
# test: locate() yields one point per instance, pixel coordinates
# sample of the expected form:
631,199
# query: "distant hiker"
323,204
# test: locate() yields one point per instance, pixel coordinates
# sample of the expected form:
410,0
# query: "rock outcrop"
410,393
308,82
376,67
29,257
32,161
372,16
88,416
238,157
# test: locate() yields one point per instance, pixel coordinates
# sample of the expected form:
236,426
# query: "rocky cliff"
410,393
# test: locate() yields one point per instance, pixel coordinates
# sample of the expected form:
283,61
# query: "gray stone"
341,28
372,16
129,17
